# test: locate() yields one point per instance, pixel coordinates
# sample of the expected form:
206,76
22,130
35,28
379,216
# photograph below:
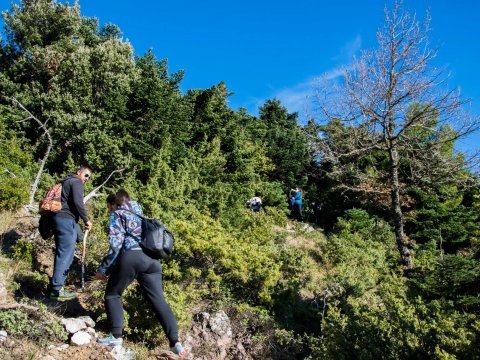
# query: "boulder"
87,320
91,331
81,338
210,336
73,325
220,325
3,336
62,347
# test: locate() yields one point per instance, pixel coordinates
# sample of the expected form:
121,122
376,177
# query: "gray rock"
308,228
120,353
63,347
202,318
87,320
220,325
73,325
81,338
91,331
3,336
212,335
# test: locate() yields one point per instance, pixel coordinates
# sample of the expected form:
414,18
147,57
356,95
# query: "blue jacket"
298,197
125,231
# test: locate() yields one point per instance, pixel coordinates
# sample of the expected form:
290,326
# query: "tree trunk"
34,187
43,126
397,210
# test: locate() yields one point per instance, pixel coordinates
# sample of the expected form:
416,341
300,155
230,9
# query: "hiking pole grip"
84,250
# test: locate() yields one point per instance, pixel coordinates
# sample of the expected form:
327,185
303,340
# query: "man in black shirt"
65,229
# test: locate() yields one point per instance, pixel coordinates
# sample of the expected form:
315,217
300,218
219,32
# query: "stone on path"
81,338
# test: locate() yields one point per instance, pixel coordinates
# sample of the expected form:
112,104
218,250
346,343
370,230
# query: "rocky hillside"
35,327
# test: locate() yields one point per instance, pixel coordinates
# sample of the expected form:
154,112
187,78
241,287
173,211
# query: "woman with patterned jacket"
125,262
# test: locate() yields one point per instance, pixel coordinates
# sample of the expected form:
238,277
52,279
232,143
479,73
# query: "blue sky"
266,49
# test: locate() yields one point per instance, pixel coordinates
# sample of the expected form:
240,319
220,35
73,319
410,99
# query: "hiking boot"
110,340
178,350
62,295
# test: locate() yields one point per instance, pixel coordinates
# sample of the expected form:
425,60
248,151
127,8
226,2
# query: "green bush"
13,192
23,250
372,314
35,325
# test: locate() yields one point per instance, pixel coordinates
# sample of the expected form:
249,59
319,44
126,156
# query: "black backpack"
157,241
45,226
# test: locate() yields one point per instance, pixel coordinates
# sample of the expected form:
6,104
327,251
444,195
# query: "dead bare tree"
95,192
34,187
395,102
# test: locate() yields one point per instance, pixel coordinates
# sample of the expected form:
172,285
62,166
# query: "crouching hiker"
125,262
255,203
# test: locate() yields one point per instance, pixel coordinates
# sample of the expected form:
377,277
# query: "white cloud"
296,98
348,50
299,97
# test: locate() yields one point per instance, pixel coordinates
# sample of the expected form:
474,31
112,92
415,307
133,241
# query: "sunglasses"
86,176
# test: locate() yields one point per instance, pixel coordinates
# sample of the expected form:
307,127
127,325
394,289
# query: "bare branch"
9,172
34,187
95,192
22,121
392,120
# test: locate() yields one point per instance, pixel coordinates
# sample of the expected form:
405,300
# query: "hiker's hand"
100,276
88,225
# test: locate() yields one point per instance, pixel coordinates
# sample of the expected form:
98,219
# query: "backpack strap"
130,211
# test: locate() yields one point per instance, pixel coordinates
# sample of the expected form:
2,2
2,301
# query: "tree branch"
34,187
95,193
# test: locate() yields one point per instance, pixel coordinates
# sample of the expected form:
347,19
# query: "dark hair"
258,194
111,199
122,197
118,198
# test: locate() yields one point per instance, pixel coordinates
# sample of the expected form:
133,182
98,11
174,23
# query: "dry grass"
7,223
311,241
16,349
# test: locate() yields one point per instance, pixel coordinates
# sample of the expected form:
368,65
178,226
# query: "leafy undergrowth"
280,254
309,295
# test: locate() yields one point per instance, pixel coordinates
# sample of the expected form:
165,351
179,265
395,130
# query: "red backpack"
52,202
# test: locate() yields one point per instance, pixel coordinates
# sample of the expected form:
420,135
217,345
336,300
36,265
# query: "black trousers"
131,265
297,212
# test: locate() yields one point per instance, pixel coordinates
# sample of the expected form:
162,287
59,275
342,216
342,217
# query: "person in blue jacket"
296,201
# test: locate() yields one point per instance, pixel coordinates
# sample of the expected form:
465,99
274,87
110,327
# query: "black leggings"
297,212
131,265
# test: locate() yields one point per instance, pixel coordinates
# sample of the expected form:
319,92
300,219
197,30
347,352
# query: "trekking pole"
84,250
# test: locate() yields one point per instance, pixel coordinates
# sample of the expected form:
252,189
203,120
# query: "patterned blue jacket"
125,231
